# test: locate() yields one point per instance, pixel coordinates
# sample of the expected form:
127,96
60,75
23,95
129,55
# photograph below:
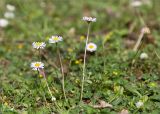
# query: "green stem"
48,88
135,112
62,72
39,51
133,59
157,54
104,61
84,64
42,88
52,97
140,17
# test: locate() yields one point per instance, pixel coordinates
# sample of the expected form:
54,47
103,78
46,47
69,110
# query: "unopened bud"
145,30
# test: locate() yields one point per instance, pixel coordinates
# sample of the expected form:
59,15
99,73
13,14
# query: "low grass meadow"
79,57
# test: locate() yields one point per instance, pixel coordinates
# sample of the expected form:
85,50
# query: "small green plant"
88,71
39,66
144,30
91,47
56,39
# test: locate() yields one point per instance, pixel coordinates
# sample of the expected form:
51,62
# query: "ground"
115,74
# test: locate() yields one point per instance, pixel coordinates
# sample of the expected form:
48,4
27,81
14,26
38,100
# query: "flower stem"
62,72
104,60
138,41
39,52
157,54
48,87
84,64
142,33
141,20
43,89
52,97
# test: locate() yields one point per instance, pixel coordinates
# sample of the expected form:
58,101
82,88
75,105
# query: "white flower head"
37,65
136,3
53,98
144,56
38,45
146,30
89,19
9,15
139,104
3,22
10,7
91,47
55,39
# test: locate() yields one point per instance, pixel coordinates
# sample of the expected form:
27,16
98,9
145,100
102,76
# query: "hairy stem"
39,52
142,33
52,97
62,72
157,54
104,61
140,17
138,41
48,88
84,63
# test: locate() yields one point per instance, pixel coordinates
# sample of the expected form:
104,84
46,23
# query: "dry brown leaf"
124,111
129,43
71,31
102,104
139,74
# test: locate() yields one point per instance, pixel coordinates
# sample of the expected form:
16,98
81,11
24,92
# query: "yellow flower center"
82,38
38,43
91,46
37,65
40,76
77,62
56,38
20,46
70,50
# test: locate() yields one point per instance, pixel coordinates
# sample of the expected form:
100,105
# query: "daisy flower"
3,22
37,65
10,7
55,39
53,98
9,15
146,30
89,19
144,56
38,45
139,104
91,47
136,3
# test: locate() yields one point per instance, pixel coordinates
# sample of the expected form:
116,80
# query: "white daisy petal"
91,47
53,98
144,56
89,19
55,39
3,22
10,7
37,65
9,15
136,3
139,104
38,45
146,30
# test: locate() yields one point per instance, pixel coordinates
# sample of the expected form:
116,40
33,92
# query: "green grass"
119,82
